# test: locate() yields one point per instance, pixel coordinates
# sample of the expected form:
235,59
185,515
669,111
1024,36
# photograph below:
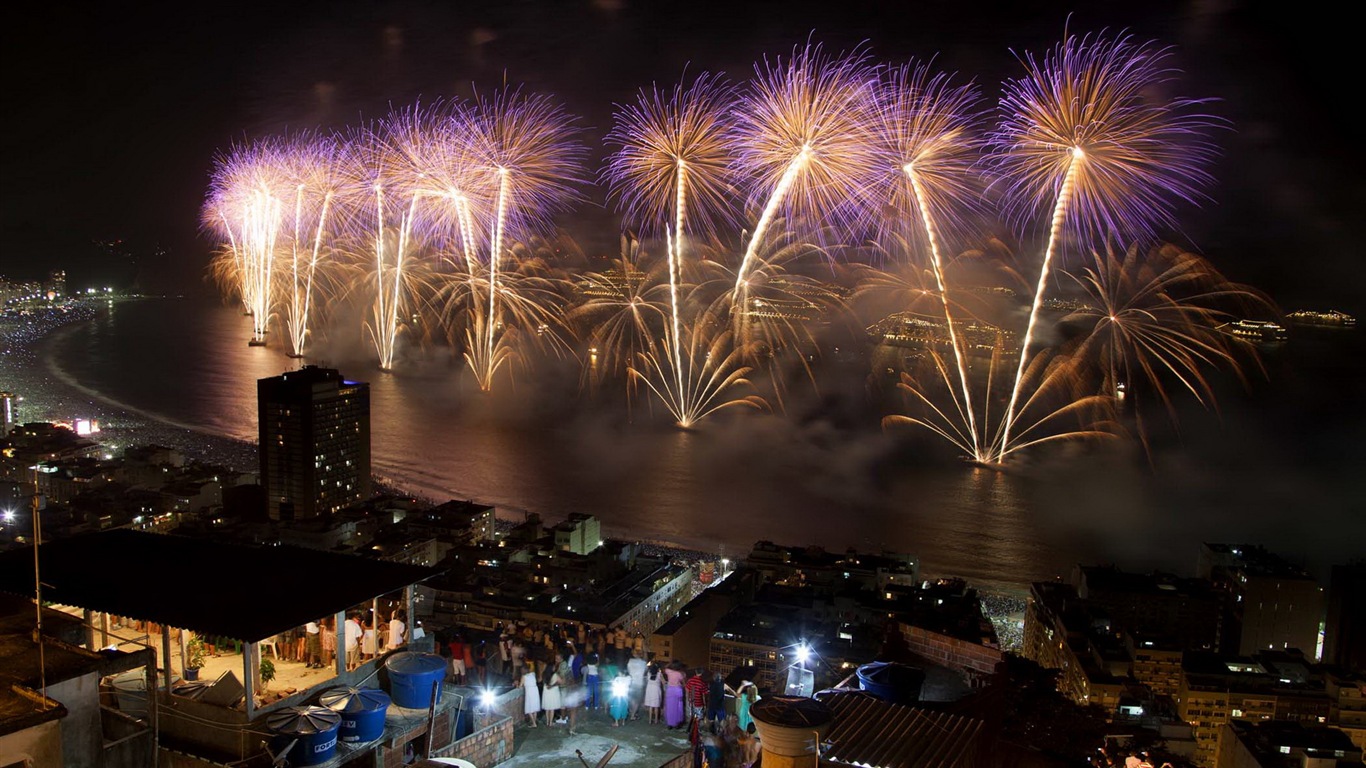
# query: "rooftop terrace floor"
639,743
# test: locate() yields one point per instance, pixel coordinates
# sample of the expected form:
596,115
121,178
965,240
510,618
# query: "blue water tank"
411,676
893,682
362,712
314,727
464,722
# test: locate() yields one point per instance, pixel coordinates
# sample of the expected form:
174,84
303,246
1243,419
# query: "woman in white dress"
654,692
551,700
531,704
367,640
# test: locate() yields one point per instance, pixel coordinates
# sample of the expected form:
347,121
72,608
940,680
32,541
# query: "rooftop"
637,742
218,588
869,731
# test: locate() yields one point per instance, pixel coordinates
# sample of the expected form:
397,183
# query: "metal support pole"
150,688
431,718
339,629
249,671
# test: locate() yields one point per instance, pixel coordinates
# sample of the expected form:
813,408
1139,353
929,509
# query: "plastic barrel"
131,690
411,676
362,712
892,682
464,722
314,727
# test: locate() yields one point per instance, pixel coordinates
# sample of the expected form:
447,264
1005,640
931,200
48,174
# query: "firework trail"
388,215
673,160
314,165
803,141
523,152
1050,412
716,371
1083,133
926,152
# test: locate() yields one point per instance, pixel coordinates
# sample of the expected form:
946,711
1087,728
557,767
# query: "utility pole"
38,587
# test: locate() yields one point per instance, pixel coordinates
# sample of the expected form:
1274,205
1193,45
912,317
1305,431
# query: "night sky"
114,114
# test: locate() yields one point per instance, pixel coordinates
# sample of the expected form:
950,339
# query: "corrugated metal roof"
871,732
212,587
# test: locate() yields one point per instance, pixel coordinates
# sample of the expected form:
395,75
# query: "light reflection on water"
736,481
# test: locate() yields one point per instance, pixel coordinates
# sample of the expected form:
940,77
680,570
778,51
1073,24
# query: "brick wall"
951,652
485,747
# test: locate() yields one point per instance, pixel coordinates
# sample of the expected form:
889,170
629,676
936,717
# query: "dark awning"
214,588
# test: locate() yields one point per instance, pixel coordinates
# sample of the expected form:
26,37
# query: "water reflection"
739,479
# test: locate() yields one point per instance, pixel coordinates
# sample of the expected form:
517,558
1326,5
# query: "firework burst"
315,166
804,143
523,152
926,152
626,311
1084,133
1153,320
387,223
246,207
671,174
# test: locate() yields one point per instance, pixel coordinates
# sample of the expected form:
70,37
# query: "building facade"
315,442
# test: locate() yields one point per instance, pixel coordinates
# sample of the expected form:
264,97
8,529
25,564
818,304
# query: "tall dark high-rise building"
1275,604
315,442
1345,640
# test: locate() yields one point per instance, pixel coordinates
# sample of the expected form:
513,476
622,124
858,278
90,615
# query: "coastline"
51,393
35,364
64,396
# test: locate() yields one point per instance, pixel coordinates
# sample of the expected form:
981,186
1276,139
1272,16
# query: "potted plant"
267,673
195,653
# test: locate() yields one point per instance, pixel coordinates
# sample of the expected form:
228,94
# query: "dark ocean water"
1280,463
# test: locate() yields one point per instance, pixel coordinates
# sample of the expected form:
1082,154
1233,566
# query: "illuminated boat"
1256,331
1331,318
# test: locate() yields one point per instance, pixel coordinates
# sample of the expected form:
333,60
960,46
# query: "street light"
800,680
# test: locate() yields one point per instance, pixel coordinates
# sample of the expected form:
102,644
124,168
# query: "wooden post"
166,655
88,617
181,634
411,620
104,629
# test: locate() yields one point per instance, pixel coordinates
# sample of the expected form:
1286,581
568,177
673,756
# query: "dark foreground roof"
868,731
214,588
